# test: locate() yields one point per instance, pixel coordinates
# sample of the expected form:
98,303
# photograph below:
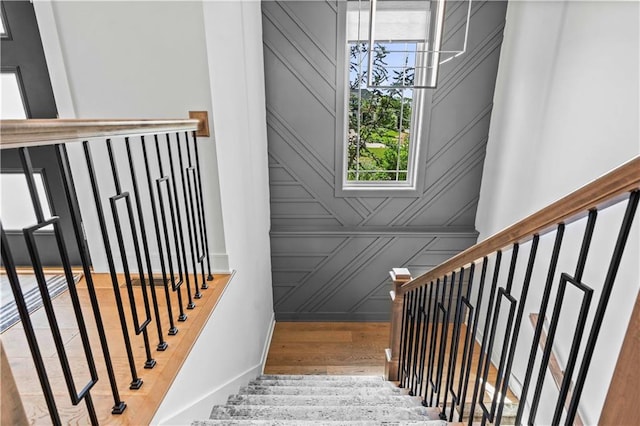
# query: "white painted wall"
232,348
566,111
131,60
566,104
160,59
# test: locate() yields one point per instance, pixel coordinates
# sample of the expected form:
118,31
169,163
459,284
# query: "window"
16,207
11,101
3,27
380,137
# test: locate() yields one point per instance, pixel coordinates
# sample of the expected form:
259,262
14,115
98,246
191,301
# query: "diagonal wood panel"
352,270
330,255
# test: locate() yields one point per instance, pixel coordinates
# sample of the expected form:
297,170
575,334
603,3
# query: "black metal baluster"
412,316
453,350
516,327
186,185
409,336
582,259
614,265
204,221
409,343
190,304
403,337
463,301
541,315
463,383
416,341
575,344
70,192
492,293
443,338
177,287
85,393
432,344
422,390
27,168
512,267
488,414
23,311
136,382
198,233
420,355
140,328
34,256
162,344
432,318
172,328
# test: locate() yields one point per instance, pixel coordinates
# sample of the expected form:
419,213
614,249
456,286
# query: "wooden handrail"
604,191
25,133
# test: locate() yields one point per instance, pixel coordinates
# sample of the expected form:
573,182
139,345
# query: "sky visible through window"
397,54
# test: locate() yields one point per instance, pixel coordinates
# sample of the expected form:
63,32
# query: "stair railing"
455,329
136,169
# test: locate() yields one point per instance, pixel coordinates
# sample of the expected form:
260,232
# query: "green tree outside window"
379,119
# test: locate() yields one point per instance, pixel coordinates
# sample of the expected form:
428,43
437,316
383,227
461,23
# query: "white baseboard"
267,343
220,394
217,396
219,263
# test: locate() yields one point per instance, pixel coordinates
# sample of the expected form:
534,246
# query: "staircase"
321,400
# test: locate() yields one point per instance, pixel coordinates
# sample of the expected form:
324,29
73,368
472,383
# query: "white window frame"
420,120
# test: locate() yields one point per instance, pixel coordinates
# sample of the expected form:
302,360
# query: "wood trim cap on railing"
606,190
25,133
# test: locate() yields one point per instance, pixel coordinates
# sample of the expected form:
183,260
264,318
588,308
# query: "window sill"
377,190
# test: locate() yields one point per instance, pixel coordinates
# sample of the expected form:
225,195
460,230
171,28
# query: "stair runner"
321,400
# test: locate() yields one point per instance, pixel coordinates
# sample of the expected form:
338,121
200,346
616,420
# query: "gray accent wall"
331,254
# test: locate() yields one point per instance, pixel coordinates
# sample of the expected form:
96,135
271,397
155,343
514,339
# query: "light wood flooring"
328,348
142,403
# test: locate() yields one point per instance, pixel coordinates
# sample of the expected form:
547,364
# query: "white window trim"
420,123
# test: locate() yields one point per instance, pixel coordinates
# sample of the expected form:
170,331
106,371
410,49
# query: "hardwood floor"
141,403
328,348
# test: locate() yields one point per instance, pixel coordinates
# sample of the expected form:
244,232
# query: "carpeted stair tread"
212,422
312,377
322,383
319,412
320,390
335,400
322,400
